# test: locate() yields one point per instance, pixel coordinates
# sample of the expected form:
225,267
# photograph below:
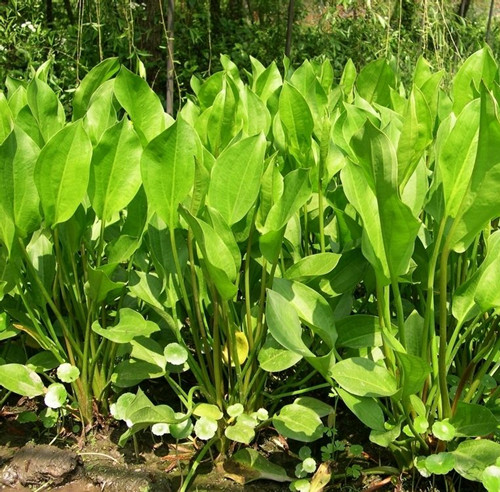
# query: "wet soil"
67,463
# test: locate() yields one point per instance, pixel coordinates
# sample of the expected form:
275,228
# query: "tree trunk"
69,11
170,57
215,15
463,8
289,28
49,13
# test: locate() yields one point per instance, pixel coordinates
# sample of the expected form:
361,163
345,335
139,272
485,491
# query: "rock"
36,465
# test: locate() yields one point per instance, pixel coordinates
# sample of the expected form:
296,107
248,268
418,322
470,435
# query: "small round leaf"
443,430
176,354
56,395
205,428
235,410
160,429
68,373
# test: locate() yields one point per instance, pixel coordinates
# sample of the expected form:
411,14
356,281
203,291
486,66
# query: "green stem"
196,463
187,305
443,330
71,343
399,311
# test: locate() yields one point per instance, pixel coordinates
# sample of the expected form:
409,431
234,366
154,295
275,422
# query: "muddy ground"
36,459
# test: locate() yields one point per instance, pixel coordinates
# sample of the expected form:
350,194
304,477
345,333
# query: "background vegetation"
77,34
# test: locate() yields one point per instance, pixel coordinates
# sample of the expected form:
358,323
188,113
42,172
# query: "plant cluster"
292,225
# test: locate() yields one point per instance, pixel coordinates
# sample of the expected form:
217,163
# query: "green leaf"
321,408
223,122
415,371
148,350
491,478
471,420
46,108
97,76
416,134
102,111
141,103
240,433
359,331
131,372
62,173
296,192
457,156
21,380
375,81
68,373
389,225
131,325
43,361
167,168
56,395
205,428
366,409
275,358
440,463
298,422
311,307
207,410
252,466
18,193
312,266
480,66
175,354
284,324
480,204
218,258
363,377
235,180
296,118
443,430
472,457
6,121
115,174
386,437
99,285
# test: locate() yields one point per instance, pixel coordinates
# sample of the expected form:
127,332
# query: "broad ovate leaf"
21,380
363,377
